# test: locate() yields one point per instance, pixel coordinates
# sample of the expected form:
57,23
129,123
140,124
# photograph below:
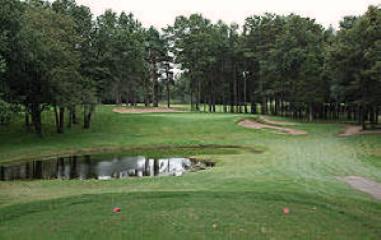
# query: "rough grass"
241,198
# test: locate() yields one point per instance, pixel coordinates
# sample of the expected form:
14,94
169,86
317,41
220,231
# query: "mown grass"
241,198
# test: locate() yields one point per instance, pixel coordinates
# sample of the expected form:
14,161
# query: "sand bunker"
364,185
275,122
144,110
256,125
351,130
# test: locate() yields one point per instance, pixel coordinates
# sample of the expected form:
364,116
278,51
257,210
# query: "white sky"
160,13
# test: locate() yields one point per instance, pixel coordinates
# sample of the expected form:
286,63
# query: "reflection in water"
87,168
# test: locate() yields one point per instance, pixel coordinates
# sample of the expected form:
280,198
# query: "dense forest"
58,57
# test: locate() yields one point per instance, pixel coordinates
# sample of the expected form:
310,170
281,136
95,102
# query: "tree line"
283,65
56,56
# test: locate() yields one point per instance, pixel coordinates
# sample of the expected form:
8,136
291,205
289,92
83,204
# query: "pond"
102,168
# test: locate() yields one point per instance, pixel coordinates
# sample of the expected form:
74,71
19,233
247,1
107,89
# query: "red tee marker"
286,211
116,210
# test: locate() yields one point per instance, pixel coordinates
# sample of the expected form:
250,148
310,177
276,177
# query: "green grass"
258,173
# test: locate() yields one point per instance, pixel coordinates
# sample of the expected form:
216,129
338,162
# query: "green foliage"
354,59
120,63
7,111
289,56
206,53
3,65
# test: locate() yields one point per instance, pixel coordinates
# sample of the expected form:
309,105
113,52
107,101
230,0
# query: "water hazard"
104,168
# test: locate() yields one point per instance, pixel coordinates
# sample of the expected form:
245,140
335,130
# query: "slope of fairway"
241,198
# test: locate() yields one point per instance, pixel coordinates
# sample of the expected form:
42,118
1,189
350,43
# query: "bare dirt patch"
265,120
256,125
351,130
145,110
364,185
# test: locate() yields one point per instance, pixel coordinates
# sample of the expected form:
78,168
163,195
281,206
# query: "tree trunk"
74,115
155,87
271,106
310,112
198,96
253,106
118,96
36,118
56,115
191,92
168,95
88,110
235,90
362,117
214,101
264,106
282,107
146,94
155,93
27,118
276,106
231,98
209,102
372,118
61,120
70,117
59,117
224,102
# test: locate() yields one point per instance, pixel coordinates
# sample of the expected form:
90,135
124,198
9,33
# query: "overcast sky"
160,13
